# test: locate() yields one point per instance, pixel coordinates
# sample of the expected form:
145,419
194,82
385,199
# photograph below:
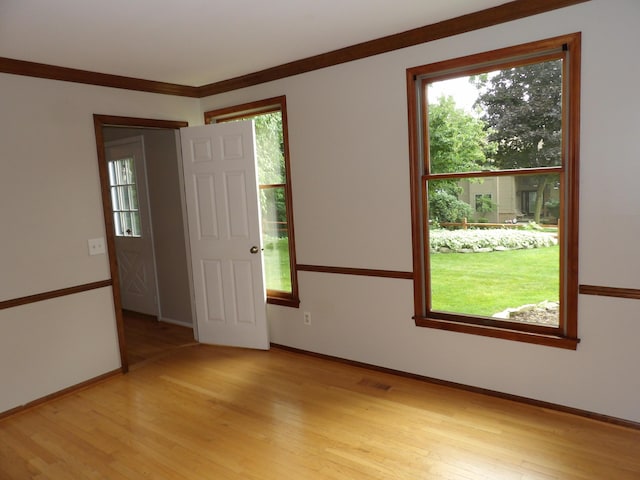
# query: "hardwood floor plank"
205,412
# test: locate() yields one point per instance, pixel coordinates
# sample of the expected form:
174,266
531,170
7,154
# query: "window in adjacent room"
124,197
494,142
272,151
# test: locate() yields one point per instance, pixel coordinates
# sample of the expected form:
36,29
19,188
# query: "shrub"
445,207
487,240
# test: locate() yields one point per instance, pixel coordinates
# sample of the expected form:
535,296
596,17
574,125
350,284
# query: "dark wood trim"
52,72
61,393
135,122
274,104
39,297
99,122
632,293
536,338
474,21
366,272
482,391
507,12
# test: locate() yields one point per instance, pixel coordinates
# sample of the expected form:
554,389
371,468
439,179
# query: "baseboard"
176,322
61,393
483,391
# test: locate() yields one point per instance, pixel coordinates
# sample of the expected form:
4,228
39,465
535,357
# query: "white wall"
350,172
50,204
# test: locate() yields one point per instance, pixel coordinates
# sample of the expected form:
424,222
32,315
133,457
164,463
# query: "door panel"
224,224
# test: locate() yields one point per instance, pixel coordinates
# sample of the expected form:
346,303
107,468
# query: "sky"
459,88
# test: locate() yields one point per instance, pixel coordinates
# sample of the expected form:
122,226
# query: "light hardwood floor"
205,412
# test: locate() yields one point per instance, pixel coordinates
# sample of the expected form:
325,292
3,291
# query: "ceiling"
196,42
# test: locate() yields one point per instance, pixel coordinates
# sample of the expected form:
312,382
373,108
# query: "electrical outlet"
307,318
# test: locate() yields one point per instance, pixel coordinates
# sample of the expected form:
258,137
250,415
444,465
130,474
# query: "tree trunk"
542,184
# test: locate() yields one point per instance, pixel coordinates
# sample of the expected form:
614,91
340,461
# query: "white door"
224,231
132,219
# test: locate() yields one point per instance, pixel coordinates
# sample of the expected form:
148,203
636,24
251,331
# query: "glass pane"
499,120
115,205
125,218
269,147
492,251
112,174
135,224
117,224
275,237
128,171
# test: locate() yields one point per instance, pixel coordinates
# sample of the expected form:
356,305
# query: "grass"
487,283
276,264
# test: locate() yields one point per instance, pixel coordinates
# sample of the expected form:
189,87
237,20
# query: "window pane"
118,224
491,257
135,224
124,197
275,239
500,120
270,148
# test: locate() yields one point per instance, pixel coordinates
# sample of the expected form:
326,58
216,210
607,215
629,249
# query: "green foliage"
484,204
445,207
553,206
523,112
270,148
270,154
276,263
457,142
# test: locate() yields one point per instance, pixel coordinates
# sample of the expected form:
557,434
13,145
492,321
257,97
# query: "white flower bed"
487,240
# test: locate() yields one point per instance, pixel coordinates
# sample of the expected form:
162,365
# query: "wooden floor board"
204,412
147,338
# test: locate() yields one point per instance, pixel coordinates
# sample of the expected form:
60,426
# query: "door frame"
100,121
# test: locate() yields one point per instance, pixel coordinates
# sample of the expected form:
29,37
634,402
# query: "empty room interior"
320,240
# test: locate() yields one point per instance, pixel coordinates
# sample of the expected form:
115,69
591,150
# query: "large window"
494,146
270,120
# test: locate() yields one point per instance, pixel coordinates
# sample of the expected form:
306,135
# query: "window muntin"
275,193
512,173
124,197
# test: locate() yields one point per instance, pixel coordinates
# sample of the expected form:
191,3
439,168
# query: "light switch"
96,246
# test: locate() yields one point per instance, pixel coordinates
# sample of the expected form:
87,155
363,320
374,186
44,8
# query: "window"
124,197
270,120
494,167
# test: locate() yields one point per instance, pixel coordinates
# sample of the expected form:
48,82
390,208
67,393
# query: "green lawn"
487,283
276,264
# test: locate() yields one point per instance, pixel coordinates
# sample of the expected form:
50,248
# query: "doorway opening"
157,235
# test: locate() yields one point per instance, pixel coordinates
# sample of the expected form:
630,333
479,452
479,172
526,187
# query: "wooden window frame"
275,104
568,48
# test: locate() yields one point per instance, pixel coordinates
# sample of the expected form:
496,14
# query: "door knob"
254,249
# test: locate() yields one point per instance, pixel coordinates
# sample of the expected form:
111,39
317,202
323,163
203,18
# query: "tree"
523,112
457,143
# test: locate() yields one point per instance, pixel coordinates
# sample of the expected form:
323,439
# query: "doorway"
163,171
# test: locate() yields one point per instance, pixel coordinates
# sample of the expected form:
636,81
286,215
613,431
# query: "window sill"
486,331
289,301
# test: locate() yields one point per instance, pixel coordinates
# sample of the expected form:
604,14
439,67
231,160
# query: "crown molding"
53,72
506,12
